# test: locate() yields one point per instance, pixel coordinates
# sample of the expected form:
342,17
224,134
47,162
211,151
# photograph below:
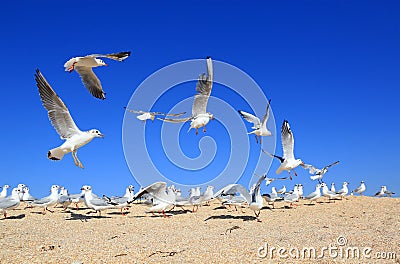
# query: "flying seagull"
288,162
260,128
84,65
318,173
200,117
143,115
253,198
63,123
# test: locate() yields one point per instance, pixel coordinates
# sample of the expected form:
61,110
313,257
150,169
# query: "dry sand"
211,235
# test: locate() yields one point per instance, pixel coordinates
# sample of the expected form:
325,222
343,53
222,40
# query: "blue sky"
330,68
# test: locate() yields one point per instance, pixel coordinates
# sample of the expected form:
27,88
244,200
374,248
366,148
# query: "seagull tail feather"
55,154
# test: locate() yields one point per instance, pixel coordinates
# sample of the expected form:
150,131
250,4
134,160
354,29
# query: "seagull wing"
203,88
91,82
237,188
274,156
175,114
120,56
156,190
330,165
177,120
7,203
287,141
251,118
57,111
265,119
139,112
311,169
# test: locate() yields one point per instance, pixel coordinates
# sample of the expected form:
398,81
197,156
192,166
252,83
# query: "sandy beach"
357,230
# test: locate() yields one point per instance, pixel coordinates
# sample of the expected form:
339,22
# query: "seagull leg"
75,158
204,129
5,215
165,216
290,175
197,131
295,174
256,138
260,140
48,210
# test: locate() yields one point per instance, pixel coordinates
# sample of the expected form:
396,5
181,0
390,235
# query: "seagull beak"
101,135
105,64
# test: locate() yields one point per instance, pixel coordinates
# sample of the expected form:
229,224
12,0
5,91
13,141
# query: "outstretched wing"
91,82
265,119
287,141
120,56
57,111
311,169
177,120
251,118
139,112
273,156
203,88
330,165
160,113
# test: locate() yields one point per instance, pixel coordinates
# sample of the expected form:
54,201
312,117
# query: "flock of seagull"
161,197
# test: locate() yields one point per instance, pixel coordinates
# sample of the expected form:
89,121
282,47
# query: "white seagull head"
96,133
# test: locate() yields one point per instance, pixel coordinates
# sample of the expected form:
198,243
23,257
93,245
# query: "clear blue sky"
330,68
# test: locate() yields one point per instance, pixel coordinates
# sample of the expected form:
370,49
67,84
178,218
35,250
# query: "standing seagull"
344,191
318,173
315,194
84,65
3,193
143,115
360,189
10,202
288,162
260,128
48,201
63,123
200,117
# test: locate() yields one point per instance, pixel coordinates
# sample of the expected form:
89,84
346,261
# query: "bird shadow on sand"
220,208
236,217
85,217
14,217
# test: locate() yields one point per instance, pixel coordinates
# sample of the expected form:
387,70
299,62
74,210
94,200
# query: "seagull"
3,193
272,197
200,117
333,187
344,191
381,192
10,202
95,203
260,128
288,162
84,65
27,196
63,123
162,200
315,194
143,115
121,202
282,190
63,198
360,189
387,192
21,191
253,198
292,197
208,194
47,201
318,173
327,193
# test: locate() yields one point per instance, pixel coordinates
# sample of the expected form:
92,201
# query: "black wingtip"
208,57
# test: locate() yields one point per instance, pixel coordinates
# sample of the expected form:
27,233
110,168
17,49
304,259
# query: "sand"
365,225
